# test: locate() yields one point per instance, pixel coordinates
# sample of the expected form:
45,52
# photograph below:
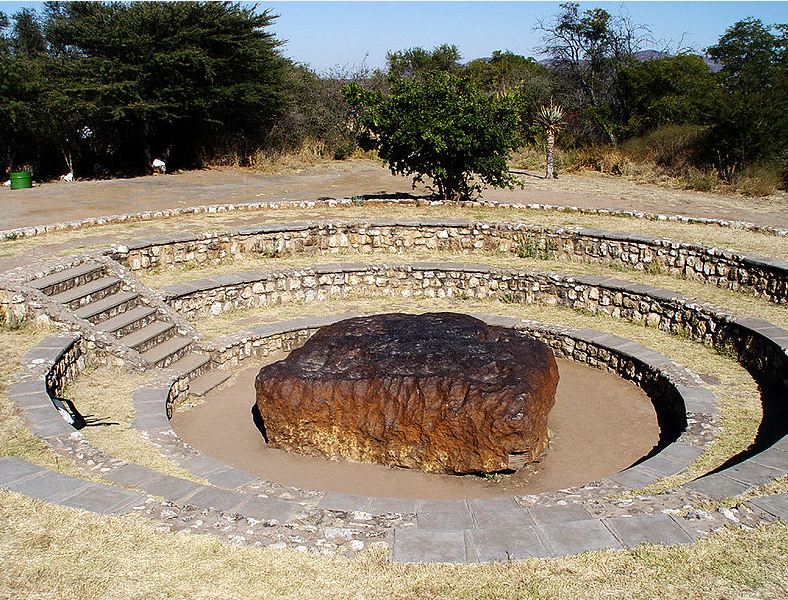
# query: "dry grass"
15,438
70,242
53,552
735,302
737,393
106,393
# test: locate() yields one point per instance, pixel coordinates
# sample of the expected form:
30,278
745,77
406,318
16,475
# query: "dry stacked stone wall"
764,277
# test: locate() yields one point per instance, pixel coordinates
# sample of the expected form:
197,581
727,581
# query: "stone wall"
763,277
760,346
155,215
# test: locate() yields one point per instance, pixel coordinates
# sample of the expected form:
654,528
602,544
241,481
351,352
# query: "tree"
506,72
550,118
442,127
677,90
418,61
169,77
752,123
589,49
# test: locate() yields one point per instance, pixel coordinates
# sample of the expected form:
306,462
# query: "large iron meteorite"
440,392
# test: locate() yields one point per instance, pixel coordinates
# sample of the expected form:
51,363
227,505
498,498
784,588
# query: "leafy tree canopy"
442,127
418,61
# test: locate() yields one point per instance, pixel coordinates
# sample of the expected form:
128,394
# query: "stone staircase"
96,296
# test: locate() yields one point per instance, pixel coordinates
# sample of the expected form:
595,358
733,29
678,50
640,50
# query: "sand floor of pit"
600,425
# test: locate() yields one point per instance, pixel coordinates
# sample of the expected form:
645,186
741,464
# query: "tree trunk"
67,157
550,148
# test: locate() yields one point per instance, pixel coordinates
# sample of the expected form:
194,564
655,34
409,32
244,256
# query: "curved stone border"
761,276
446,531
27,232
760,346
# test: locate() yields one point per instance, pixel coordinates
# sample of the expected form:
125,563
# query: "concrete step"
129,321
66,279
207,382
108,307
149,336
87,293
168,352
193,364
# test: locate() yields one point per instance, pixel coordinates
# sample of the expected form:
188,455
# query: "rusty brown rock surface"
440,392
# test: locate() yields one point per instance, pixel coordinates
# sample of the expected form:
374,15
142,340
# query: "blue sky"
341,34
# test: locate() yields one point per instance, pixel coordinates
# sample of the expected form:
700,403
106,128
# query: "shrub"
441,127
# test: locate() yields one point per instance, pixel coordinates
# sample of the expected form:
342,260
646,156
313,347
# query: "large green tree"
442,127
752,123
676,90
167,78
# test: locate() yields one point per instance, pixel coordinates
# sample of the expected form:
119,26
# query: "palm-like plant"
550,118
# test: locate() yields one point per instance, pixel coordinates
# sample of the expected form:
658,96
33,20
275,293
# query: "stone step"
207,382
149,336
82,295
168,352
107,307
129,321
193,364
59,282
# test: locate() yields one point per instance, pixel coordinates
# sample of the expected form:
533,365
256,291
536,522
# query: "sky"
345,35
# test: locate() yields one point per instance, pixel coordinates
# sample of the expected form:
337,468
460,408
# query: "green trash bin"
21,180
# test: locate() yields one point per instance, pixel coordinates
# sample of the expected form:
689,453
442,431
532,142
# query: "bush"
442,127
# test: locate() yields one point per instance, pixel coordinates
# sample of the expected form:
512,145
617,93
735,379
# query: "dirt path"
600,425
53,202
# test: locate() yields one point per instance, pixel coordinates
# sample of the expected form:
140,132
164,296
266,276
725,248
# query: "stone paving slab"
634,477
105,500
266,509
32,401
172,488
382,506
717,486
131,474
773,458
578,536
202,464
776,505
151,421
229,477
337,501
551,515
422,546
751,473
49,486
508,543
14,469
657,528
446,519
217,498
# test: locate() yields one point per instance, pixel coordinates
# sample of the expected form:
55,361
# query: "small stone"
356,545
338,532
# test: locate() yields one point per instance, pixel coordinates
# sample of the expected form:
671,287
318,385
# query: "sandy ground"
600,424
54,202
